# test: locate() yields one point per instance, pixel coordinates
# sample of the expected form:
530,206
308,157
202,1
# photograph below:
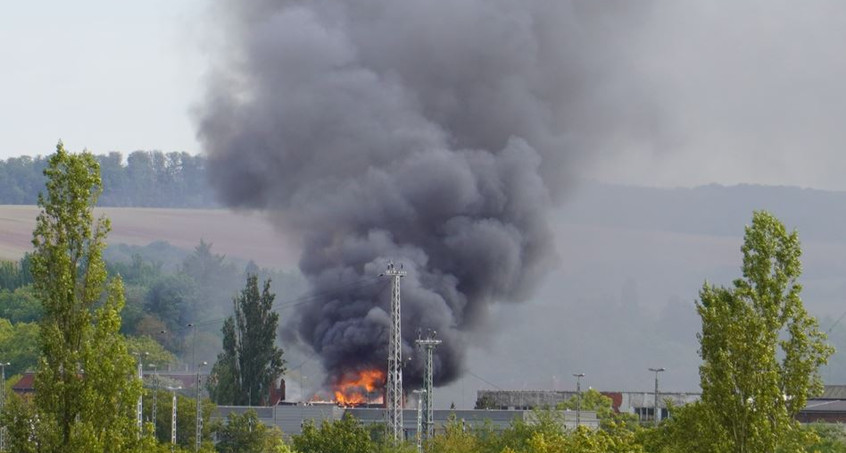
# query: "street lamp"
655,412
199,410
578,377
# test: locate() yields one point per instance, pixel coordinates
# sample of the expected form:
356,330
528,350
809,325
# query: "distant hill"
712,210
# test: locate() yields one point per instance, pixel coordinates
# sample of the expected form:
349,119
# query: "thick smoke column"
433,134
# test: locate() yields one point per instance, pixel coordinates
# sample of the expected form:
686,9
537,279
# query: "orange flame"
361,387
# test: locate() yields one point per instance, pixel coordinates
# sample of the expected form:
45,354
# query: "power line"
484,380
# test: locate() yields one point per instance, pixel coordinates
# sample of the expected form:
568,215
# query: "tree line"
143,179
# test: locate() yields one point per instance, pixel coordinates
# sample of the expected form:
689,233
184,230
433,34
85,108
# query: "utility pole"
3,366
173,417
141,399
199,438
579,377
655,411
429,344
420,395
393,405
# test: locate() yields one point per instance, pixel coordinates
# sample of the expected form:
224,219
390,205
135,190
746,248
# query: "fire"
360,387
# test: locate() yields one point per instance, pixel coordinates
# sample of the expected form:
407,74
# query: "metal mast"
393,403
429,344
419,436
139,414
173,406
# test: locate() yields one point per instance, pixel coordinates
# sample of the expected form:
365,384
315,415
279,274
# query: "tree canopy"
144,178
250,361
84,400
761,350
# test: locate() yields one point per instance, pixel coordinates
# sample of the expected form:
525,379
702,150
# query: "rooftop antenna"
429,344
393,403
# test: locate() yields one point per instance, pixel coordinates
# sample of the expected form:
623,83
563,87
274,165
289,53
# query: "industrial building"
641,404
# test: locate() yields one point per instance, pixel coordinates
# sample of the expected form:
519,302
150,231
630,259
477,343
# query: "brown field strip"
238,235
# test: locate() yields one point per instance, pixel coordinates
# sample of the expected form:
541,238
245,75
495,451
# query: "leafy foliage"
343,436
246,434
148,179
84,401
18,346
14,275
20,305
250,362
761,350
151,350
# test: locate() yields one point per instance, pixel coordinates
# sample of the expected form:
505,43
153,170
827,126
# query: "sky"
734,92
99,74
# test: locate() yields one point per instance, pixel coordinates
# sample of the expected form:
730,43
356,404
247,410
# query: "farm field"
234,234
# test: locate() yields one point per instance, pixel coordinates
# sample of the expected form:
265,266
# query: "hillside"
242,236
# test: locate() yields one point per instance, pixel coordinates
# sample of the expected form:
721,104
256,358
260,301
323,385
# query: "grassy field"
237,235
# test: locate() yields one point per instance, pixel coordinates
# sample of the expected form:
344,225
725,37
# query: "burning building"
382,131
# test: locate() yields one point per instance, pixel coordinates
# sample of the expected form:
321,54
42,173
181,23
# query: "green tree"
152,351
456,438
20,305
250,362
84,400
342,436
761,350
246,434
18,346
21,424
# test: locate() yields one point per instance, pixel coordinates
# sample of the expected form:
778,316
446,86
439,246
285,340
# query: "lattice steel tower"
393,403
429,344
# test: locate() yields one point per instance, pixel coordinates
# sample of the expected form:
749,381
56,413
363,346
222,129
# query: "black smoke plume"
432,134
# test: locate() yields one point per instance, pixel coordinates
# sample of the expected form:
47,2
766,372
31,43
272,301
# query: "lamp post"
173,417
655,413
199,410
578,377
3,366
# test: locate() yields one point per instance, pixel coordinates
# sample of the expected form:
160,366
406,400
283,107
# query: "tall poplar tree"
250,361
85,393
761,350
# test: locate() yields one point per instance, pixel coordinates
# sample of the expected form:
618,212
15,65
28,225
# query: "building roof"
833,392
26,384
820,405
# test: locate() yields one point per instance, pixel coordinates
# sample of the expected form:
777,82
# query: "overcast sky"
735,91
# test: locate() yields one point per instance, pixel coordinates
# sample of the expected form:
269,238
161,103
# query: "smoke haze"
380,130
439,135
